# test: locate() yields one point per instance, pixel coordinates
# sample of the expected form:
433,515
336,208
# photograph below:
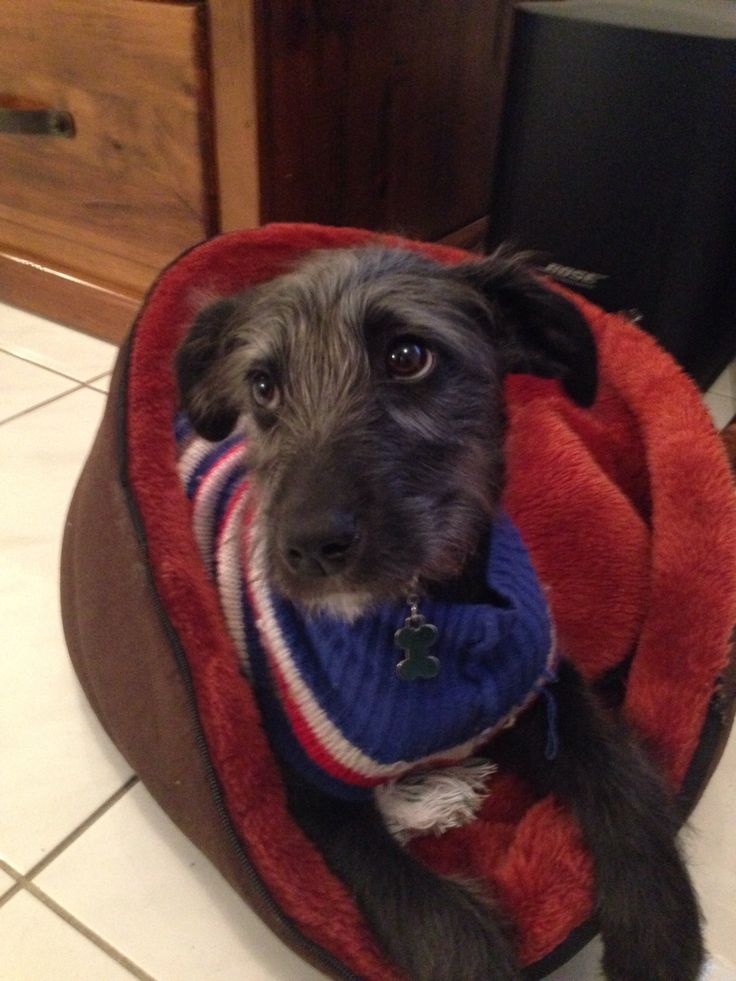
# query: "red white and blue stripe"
332,703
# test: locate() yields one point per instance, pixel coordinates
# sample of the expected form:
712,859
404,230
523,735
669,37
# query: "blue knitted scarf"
332,701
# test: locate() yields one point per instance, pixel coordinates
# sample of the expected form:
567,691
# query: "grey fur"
397,480
418,464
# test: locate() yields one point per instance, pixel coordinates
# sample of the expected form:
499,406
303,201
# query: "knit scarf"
333,704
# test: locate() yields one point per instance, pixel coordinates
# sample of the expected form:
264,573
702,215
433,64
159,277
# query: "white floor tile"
23,385
719,970
57,764
721,407
37,945
712,859
726,383
47,344
136,880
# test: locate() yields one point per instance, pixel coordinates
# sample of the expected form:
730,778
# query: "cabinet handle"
37,122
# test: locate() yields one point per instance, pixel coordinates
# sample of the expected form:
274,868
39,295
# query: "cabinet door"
380,114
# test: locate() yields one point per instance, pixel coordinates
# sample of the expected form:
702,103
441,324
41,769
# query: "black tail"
433,929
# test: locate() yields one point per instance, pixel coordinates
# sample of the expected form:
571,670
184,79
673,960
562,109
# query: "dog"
370,384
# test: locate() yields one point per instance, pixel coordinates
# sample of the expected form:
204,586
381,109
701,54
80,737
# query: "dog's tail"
432,928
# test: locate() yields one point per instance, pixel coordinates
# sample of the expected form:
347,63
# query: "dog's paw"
446,933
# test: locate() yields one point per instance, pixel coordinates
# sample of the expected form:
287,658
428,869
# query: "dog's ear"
204,397
537,330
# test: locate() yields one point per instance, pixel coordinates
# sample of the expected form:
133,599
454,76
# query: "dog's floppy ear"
538,331
204,397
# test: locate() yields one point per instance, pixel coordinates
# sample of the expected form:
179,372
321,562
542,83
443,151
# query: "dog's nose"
321,546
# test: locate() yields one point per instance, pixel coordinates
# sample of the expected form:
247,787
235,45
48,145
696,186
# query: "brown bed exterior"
135,670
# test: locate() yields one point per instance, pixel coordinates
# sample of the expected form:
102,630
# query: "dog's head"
369,382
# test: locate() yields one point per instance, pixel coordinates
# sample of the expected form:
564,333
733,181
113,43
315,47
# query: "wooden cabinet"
197,117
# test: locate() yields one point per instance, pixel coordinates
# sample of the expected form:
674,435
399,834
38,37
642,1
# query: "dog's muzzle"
320,544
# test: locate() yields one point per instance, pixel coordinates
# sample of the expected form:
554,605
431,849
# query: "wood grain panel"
380,114
133,187
233,83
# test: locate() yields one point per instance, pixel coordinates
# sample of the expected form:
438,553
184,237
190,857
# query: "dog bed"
628,513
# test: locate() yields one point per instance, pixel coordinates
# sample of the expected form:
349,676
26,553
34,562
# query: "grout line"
78,383
88,383
9,870
92,382
79,386
93,937
12,891
105,374
16,886
23,882
43,367
78,831
92,388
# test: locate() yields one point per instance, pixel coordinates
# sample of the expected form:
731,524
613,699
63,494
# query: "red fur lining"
658,575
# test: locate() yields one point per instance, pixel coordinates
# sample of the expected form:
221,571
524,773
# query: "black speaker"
617,163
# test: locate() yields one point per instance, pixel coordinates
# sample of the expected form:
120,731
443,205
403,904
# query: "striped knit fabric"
332,702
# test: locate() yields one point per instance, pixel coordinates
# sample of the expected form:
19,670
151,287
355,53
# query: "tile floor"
96,884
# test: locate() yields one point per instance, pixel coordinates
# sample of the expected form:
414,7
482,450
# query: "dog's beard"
346,606
345,597
429,541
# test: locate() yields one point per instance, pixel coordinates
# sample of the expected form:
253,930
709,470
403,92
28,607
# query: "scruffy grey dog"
370,384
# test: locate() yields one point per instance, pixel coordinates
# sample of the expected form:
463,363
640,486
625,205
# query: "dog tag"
415,638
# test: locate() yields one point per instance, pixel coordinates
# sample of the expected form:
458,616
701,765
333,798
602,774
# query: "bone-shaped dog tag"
415,638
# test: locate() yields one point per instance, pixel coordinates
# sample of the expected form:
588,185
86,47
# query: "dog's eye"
264,390
409,359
